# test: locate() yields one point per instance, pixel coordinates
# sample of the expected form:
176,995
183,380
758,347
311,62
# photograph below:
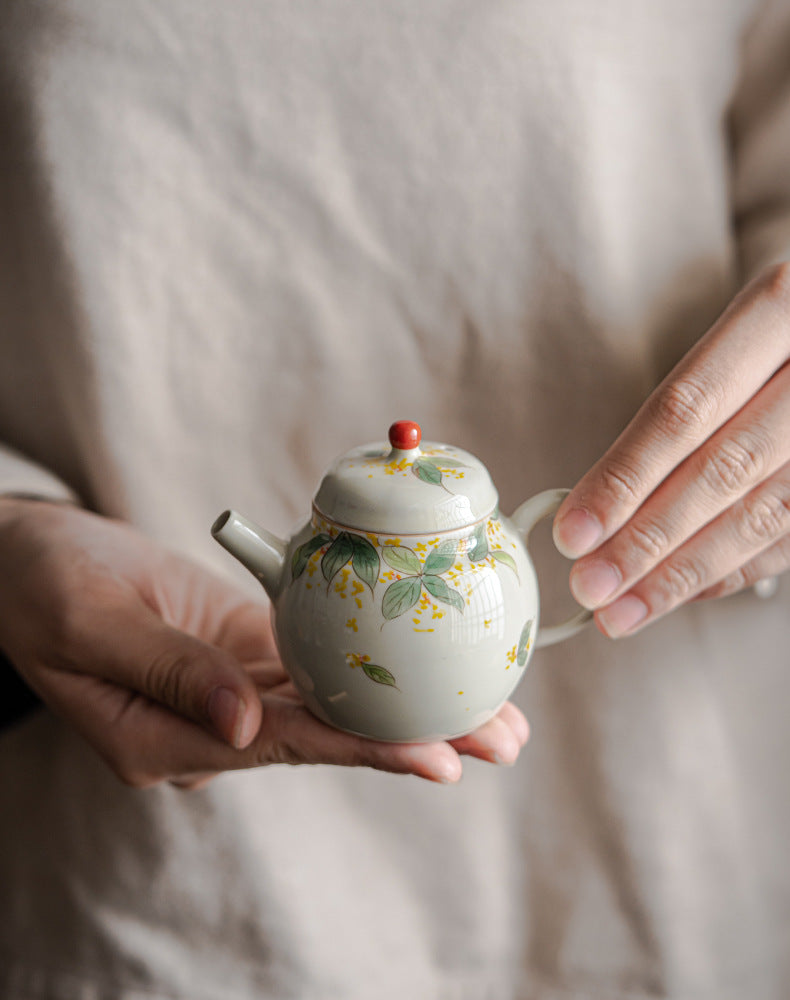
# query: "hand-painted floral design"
378,674
412,576
525,642
480,549
402,595
429,470
344,548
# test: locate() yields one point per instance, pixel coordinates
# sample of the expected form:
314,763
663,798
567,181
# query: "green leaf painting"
365,561
379,674
402,559
436,586
479,549
442,557
427,471
400,596
523,643
505,558
301,556
337,555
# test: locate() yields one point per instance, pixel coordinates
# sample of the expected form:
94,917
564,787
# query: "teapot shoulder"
399,568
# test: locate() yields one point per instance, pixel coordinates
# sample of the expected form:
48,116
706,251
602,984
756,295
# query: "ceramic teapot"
407,608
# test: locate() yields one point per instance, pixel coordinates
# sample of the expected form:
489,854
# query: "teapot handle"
525,518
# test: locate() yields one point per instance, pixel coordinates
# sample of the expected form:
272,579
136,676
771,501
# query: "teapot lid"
406,487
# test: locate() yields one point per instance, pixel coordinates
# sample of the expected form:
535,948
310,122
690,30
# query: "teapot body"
416,636
406,638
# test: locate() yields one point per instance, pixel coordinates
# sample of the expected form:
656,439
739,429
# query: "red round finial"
405,435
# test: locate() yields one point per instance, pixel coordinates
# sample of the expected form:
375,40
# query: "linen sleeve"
760,133
19,476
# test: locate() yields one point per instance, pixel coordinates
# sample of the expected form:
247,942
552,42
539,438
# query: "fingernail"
449,773
622,616
591,583
577,532
248,729
499,759
226,710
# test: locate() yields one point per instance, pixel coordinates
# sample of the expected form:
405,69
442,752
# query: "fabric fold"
20,476
760,130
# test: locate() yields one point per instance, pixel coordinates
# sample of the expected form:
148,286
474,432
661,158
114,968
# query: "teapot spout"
260,551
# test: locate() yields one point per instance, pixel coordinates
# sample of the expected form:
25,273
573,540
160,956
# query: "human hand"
693,499
169,672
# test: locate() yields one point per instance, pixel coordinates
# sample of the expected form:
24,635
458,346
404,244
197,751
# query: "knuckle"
163,677
270,751
681,579
281,752
745,577
275,744
181,679
763,519
622,483
776,282
649,539
685,405
731,584
736,463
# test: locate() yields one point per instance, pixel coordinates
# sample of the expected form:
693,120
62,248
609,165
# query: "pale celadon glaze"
407,608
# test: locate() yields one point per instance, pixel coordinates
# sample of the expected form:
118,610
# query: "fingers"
499,740
289,734
704,391
126,643
760,573
517,722
737,459
696,490
745,543
146,743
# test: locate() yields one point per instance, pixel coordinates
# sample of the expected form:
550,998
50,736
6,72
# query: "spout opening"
220,523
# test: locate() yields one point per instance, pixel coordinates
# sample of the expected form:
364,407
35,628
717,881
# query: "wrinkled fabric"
238,239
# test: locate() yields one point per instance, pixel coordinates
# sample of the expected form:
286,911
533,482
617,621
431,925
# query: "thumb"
134,648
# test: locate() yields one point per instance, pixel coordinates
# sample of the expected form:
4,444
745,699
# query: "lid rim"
404,534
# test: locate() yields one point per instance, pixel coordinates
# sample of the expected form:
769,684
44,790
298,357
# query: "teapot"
407,607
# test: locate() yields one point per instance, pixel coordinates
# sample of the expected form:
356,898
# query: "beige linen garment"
239,238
